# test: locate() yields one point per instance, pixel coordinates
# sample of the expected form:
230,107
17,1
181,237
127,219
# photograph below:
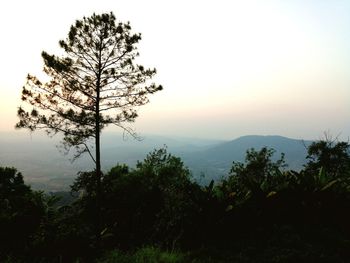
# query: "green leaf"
272,193
229,208
329,185
322,176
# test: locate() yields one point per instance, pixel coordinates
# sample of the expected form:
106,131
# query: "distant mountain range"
216,161
44,167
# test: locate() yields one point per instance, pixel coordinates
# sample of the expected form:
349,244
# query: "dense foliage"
261,212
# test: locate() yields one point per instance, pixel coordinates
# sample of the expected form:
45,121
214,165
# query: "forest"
260,212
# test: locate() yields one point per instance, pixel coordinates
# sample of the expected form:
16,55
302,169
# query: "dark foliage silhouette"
261,212
21,213
330,155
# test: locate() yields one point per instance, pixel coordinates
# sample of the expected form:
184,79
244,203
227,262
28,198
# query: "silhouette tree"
258,171
331,155
21,213
155,202
95,84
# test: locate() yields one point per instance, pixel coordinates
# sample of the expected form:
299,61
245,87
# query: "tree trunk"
98,184
98,165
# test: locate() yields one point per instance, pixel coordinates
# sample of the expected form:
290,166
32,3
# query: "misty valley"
47,168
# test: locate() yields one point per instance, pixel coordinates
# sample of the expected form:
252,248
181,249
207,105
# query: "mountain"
128,150
216,161
44,167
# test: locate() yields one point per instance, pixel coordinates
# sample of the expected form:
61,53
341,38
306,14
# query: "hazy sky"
229,68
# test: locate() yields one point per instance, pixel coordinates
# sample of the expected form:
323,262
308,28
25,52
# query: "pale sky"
228,68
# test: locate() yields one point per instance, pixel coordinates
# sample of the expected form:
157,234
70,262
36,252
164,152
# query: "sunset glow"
228,68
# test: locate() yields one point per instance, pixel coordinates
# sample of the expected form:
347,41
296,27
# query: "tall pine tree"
96,83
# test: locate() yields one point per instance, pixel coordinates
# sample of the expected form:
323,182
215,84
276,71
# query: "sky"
228,68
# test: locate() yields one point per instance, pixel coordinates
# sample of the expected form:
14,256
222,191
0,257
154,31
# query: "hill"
216,161
44,167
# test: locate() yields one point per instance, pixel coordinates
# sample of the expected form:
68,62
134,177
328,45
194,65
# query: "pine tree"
96,83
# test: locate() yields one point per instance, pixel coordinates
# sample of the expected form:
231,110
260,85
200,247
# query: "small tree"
331,155
259,173
21,213
95,84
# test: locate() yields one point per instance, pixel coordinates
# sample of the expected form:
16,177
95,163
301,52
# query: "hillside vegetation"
260,212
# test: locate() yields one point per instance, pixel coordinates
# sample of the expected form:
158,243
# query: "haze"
229,68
